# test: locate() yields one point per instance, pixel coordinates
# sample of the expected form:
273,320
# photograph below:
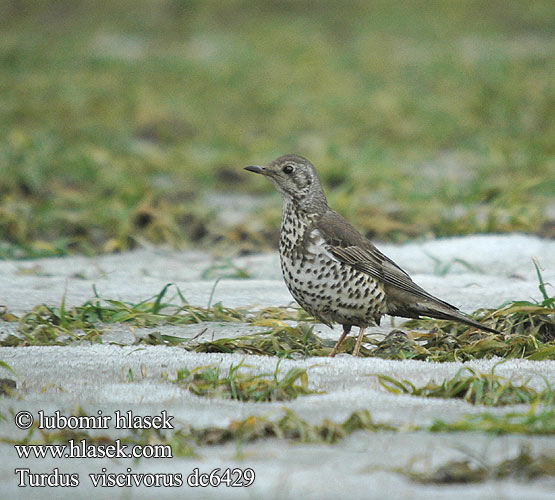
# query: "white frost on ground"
471,272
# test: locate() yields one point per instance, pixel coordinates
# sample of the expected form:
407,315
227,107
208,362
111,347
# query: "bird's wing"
349,246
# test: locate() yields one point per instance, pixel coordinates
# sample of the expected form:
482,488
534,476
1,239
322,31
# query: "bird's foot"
356,350
334,351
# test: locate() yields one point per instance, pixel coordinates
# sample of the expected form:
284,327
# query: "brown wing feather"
405,297
350,247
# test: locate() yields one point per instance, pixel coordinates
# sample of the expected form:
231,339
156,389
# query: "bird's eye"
288,169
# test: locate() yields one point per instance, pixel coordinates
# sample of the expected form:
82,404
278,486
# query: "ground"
399,437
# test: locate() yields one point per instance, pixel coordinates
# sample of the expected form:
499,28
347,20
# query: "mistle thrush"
334,272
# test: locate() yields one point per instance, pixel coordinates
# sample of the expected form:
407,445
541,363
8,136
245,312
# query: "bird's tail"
455,315
438,310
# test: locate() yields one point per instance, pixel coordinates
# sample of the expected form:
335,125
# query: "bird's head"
296,179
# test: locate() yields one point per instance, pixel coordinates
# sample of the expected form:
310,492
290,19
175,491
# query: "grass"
486,389
289,426
226,268
293,428
524,467
527,329
532,422
48,325
208,381
280,340
118,118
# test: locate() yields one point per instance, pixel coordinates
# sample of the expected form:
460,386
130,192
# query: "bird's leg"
346,330
359,341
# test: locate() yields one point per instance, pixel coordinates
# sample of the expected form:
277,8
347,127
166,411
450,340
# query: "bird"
334,272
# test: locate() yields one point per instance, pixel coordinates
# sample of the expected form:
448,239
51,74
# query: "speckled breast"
331,291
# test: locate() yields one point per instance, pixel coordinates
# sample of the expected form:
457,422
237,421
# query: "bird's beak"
256,169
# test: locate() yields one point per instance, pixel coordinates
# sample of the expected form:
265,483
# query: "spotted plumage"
334,272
